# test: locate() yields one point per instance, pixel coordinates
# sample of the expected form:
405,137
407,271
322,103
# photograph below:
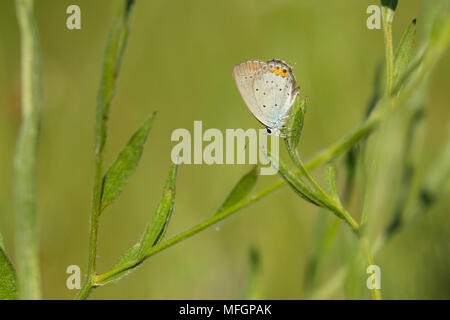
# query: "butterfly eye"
268,131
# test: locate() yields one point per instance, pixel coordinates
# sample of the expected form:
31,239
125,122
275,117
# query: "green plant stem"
389,57
112,59
388,16
24,180
103,278
369,261
341,146
322,157
344,144
334,205
433,187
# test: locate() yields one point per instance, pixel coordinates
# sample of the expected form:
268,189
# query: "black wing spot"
276,105
264,93
257,89
280,89
264,105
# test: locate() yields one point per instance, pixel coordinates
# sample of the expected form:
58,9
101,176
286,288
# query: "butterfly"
269,90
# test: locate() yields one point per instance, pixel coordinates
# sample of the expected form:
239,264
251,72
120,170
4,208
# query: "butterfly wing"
244,75
275,91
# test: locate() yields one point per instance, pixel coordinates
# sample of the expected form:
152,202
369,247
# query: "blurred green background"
178,62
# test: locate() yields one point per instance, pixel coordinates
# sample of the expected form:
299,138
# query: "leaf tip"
391,4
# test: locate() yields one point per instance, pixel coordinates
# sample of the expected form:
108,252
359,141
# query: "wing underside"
243,75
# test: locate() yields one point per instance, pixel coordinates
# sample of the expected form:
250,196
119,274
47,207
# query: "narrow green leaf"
319,199
114,51
388,12
331,183
161,218
295,123
113,54
155,230
404,52
125,164
296,183
350,172
129,255
409,74
241,190
8,284
391,4
377,89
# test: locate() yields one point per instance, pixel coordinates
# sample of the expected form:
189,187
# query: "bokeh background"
178,61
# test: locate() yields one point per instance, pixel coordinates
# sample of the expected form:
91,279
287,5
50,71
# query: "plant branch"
382,110
332,204
112,60
103,278
24,178
432,189
324,156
